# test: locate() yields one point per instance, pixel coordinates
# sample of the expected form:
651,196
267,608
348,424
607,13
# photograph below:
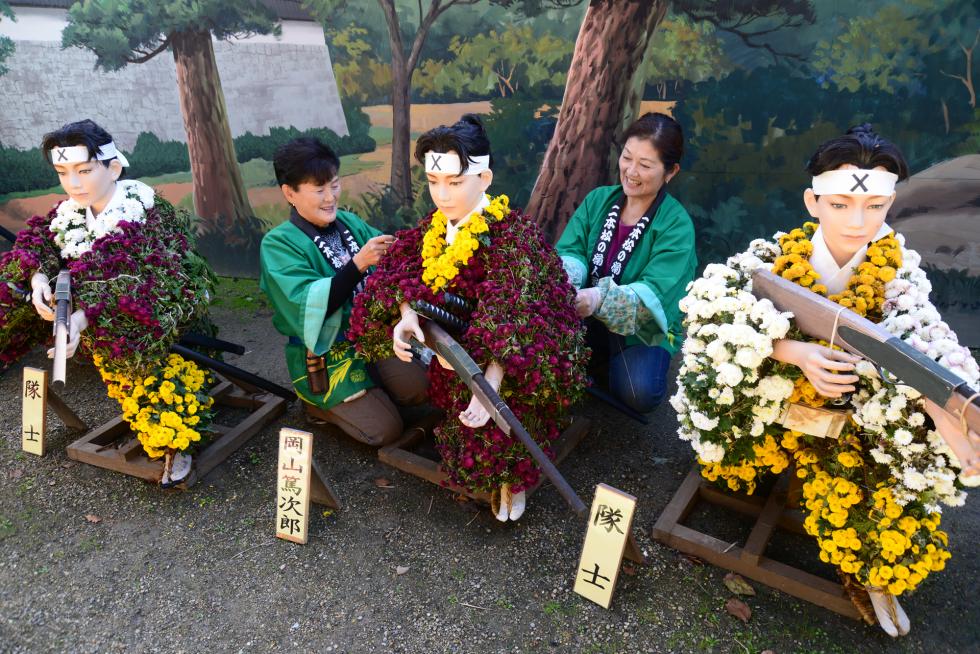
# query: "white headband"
854,181
80,154
448,162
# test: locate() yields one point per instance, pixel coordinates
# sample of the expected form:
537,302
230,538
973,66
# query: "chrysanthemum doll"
136,283
873,493
522,329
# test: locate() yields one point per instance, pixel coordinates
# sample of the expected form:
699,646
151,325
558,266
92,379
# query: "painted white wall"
46,24
34,24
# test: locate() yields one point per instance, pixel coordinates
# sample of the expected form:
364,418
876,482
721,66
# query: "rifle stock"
446,346
62,296
819,317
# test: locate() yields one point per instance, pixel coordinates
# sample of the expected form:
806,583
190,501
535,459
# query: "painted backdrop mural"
756,84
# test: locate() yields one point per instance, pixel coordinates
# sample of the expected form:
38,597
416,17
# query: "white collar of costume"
452,230
832,276
80,154
125,189
449,162
854,181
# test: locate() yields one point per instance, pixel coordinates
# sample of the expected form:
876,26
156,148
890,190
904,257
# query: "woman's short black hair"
466,137
663,132
83,132
860,147
305,160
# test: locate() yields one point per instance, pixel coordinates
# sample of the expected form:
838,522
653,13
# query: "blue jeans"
637,375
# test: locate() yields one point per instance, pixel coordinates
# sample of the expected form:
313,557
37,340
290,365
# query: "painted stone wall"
265,84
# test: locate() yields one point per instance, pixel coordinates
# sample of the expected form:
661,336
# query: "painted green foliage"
133,31
513,61
6,44
684,51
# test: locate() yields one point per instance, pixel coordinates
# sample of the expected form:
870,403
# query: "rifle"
446,346
819,317
62,313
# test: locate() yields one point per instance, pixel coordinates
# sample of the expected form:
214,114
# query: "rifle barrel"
447,347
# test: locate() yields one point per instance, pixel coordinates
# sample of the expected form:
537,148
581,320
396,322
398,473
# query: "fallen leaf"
94,519
401,569
629,570
381,482
67,464
16,473
736,584
738,609
693,560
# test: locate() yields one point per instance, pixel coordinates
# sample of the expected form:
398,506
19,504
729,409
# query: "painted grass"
255,173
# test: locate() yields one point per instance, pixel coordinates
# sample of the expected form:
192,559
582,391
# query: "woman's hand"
477,415
820,365
41,295
587,301
373,250
405,329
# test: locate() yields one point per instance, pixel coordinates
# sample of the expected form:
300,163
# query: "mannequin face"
89,183
316,203
456,195
641,172
848,222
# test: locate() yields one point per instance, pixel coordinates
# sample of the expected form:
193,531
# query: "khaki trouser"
373,417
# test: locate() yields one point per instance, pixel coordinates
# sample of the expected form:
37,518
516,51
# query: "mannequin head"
855,208
87,173
458,165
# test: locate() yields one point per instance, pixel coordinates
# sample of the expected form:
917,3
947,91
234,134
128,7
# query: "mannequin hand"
373,250
407,327
587,301
41,295
77,323
819,363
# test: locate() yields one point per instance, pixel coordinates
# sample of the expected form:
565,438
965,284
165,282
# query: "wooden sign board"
815,421
610,522
293,485
33,395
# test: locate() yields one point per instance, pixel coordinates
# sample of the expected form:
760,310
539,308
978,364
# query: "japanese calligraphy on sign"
293,485
34,401
609,527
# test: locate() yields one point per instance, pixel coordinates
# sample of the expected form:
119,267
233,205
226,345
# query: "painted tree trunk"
219,192
610,46
401,162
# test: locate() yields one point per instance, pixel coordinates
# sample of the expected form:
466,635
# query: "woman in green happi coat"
629,250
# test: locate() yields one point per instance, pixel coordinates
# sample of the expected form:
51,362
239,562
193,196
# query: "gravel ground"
200,570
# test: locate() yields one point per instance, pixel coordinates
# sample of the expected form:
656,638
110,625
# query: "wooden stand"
113,446
780,510
403,455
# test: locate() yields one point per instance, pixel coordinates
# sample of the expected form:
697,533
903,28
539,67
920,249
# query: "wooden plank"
97,446
633,551
33,398
679,506
220,449
64,412
749,561
765,524
320,491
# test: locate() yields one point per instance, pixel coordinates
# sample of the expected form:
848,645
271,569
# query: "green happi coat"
297,277
643,305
